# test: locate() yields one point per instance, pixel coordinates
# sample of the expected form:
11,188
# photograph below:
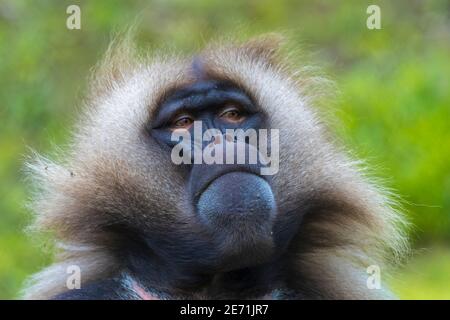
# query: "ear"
266,47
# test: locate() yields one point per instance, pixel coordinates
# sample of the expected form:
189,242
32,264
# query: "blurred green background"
393,107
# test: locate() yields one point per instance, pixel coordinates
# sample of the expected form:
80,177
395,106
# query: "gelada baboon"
139,226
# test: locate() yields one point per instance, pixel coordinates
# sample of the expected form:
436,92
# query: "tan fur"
104,176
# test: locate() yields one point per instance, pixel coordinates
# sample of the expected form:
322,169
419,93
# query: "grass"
425,277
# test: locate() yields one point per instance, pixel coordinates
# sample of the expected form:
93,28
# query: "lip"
251,169
220,176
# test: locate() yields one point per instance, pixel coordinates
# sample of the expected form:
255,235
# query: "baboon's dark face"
231,202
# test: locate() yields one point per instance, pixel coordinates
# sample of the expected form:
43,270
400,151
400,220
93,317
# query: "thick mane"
352,222
56,202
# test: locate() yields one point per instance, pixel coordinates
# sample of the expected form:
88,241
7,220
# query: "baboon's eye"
183,121
232,113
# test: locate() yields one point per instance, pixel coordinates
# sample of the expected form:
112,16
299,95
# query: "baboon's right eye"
184,121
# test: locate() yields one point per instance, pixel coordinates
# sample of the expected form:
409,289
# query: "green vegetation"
393,107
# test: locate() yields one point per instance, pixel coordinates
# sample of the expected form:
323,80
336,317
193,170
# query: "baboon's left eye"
232,113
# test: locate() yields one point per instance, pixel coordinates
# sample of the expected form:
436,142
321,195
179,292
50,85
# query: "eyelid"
181,116
173,123
232,107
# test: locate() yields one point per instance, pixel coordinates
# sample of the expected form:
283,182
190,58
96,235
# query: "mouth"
237,207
